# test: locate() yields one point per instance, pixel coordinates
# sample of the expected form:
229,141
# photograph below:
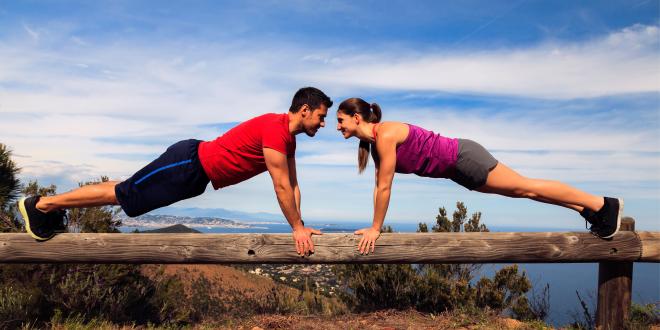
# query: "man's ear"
304,110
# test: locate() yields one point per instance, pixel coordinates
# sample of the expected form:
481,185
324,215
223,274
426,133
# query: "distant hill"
158,221
178,228
219,213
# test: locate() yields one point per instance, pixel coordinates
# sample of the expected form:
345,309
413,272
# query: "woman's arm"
386,149
377,166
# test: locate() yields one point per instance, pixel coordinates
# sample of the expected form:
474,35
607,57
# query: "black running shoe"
58,221
37,223
607,221
588,215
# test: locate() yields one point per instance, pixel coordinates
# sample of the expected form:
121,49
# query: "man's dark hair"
311,96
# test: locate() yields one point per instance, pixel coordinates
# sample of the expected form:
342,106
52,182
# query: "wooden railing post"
614,289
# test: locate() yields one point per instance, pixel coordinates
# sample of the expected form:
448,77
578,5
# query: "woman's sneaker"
588,214
606,222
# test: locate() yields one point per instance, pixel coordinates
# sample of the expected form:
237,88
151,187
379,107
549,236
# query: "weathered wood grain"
650,246
614,289
565,247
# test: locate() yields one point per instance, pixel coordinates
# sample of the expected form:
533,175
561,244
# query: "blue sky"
565,90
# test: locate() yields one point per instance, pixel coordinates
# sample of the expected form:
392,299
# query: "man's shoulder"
270,117
262,121
272,121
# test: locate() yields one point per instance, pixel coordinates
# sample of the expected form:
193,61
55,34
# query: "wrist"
376,228
298,226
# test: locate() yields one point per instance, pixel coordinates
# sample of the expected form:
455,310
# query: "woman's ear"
357,118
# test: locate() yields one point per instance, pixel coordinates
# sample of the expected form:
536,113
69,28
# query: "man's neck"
295,123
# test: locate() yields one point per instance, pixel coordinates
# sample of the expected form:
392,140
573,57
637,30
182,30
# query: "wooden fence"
615,256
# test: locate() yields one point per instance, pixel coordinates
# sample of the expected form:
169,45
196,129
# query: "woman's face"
346,125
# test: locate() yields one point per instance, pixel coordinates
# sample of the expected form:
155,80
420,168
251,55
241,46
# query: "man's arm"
293,178
278,167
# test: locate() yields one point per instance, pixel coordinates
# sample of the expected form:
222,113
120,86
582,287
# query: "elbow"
383,189
282,187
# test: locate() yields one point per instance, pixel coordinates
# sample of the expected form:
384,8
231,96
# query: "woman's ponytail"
363,155
376,113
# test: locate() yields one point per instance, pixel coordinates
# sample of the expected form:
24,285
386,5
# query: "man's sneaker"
58,221
37,223
606,222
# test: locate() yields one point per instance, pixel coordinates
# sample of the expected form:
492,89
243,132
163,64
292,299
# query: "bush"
438,288
15,306
116,293
643,316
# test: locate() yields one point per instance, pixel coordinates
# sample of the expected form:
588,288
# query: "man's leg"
175,175
45,215
87,196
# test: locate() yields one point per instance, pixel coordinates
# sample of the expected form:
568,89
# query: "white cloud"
68,104
33,34
78,41
627,61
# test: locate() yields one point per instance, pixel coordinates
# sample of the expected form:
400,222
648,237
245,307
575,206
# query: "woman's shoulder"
393,131
393,125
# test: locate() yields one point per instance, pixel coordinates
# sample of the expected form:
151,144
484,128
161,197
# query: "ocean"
564,279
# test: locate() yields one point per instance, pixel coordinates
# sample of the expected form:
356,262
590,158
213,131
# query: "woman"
404,148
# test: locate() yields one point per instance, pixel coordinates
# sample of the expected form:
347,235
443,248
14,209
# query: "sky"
561,90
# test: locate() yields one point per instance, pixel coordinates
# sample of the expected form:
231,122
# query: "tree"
9,183
9,191
459,272
33,188
99,219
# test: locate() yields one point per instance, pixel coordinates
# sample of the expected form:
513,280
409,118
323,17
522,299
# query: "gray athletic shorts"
473,164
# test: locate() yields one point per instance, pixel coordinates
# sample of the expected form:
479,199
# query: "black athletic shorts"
176,175
473,164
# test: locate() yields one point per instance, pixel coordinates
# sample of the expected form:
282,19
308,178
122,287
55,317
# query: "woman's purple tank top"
426,154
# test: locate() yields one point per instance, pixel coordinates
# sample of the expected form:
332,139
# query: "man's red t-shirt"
238,154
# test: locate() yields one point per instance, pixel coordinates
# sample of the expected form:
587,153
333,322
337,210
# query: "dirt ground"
384,320
224,277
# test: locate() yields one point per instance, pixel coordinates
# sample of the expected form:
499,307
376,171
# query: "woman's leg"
86,196
504,181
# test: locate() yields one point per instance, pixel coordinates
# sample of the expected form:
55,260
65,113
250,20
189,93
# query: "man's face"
314,120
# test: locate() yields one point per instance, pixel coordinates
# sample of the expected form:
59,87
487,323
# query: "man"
266,142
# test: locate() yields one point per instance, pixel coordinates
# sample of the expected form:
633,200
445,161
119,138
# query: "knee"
109,192
523,193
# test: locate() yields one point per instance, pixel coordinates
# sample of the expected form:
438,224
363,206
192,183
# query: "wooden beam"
650,246
565,247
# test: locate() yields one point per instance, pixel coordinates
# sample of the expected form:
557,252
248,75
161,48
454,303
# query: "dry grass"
382,320
387,320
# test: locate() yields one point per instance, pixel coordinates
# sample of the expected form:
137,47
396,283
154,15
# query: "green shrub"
439,287
644,316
